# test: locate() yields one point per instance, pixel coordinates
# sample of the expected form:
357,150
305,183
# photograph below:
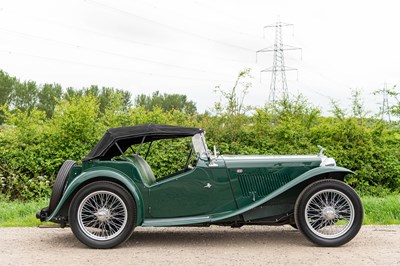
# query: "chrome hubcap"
329,213
103,215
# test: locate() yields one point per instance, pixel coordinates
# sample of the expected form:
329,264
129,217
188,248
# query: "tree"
7,84
107,95
71,93
358,108
230,112
235,96
166,102
49,95
25,95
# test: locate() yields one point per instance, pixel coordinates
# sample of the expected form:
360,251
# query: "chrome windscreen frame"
200,145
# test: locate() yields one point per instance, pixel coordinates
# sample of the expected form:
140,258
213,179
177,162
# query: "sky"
191,46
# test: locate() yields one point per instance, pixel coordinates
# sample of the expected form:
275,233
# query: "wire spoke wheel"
102,215
329,213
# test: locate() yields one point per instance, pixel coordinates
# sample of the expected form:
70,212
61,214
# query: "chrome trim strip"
269,157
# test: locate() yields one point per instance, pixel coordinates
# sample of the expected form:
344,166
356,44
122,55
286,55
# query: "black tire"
102,215
294,226
329,213
59,184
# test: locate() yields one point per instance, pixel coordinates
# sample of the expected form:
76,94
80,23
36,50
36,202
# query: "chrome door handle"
208,185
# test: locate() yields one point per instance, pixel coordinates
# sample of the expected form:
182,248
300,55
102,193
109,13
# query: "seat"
144,169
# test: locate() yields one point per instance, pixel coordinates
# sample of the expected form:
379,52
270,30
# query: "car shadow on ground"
214,236
198,236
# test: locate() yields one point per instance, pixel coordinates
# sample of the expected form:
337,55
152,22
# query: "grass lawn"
382,210
18,214
378,210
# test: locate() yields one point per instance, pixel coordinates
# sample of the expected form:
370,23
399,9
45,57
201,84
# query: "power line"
111,68
114,9
113,36
146,44
107,52
192,19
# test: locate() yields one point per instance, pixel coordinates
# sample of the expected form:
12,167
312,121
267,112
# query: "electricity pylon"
385,108
385,104
278,88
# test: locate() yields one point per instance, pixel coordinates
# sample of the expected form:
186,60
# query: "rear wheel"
102,215
329,213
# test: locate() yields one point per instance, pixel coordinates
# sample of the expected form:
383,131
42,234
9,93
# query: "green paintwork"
255,177
214,191
93,174
234,212
201,191
294,182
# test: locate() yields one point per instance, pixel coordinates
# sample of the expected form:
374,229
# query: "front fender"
305,176
104,173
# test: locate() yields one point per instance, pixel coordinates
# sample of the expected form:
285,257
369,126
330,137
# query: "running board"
176,221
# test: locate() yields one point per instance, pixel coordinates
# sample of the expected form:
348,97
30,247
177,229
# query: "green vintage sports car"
115,189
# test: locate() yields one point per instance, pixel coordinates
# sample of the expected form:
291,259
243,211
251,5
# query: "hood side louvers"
260,185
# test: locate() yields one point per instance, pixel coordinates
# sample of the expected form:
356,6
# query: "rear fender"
87,177
330,171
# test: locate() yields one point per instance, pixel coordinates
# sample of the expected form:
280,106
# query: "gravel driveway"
249,245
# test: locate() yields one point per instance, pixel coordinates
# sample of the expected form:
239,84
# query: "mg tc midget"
115,189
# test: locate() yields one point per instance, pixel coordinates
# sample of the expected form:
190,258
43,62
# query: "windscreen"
199,145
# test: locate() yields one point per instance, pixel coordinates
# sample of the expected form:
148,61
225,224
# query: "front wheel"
102,215
329,213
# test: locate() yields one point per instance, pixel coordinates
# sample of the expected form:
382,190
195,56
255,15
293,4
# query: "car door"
200,191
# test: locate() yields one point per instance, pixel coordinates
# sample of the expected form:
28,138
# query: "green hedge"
33,146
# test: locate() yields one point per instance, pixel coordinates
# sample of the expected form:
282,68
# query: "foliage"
7,84
48,96
235,97
167,102
166,156
228,123
33,147
37,135
26,95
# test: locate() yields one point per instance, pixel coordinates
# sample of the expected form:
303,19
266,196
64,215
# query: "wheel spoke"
329,213
102,215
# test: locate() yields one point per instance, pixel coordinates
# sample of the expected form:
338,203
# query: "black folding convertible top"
124,137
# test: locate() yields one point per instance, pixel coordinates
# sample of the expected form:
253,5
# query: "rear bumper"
44,214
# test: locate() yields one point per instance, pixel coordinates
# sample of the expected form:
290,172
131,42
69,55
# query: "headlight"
325,161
